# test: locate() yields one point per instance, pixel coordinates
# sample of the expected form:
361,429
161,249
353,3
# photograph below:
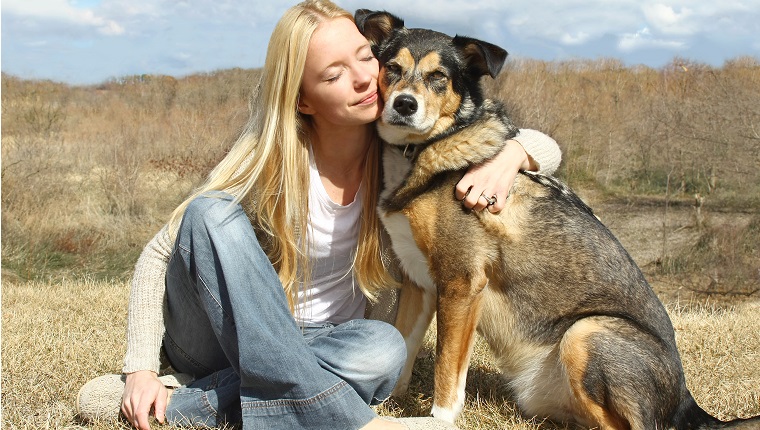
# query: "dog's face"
429,81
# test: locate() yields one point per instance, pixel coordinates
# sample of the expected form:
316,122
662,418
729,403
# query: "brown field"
89,174
59,334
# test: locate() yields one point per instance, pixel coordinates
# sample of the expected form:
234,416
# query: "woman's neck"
340,154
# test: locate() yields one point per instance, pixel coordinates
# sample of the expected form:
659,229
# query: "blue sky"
90,41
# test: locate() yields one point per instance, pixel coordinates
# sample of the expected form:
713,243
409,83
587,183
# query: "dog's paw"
444,414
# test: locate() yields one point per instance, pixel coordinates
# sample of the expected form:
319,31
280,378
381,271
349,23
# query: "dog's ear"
481,57
377,26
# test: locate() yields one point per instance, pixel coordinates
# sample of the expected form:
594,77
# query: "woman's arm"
542,149
529,150
145,331
145,319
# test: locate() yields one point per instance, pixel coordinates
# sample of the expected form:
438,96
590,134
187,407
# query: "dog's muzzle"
404,117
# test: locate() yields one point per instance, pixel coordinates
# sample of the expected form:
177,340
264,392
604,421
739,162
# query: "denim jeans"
228,323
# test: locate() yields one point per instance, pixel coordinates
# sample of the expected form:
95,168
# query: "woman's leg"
368,354
207,402
220,264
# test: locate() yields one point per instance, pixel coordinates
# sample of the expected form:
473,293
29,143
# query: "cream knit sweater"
145,320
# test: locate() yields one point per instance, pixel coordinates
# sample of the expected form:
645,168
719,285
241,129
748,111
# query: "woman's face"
340,77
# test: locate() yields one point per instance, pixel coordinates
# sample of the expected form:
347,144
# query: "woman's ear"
304,107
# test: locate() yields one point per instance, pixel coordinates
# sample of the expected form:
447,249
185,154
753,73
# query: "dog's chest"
412,260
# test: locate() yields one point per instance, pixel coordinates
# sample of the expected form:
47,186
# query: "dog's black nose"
405,105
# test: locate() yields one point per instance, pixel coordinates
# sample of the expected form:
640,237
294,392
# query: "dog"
572,322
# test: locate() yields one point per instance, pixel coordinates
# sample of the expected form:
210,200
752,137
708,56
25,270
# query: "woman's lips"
372,98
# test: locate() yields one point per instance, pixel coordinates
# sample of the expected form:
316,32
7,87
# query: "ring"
491,200
467,193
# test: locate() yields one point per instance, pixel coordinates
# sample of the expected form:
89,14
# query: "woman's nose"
363,75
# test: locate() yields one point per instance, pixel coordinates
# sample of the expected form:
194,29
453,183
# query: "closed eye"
332,79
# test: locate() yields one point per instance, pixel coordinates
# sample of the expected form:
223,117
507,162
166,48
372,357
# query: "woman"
251,287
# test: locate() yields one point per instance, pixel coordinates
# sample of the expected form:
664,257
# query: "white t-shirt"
333,295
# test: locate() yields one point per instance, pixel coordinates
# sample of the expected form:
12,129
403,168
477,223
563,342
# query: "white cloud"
577,22
667,20
62,11
41,8
570,23
578,38
643,39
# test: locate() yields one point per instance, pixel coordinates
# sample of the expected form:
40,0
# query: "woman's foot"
414,423
100,398
381,424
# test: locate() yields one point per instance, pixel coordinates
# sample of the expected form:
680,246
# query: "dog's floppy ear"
376,26
481,57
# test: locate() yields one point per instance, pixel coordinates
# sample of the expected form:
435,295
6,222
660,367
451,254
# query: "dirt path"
646,232
648,235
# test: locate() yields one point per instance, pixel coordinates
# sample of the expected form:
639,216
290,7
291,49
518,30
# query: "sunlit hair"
267,169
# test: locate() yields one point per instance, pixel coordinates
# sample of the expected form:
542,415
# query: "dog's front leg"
459,306
415,311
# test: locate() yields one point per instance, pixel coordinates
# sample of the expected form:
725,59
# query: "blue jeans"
228,323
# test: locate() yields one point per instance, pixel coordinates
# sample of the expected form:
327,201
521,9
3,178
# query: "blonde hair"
267,169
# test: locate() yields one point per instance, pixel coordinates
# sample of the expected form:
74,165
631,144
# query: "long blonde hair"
267,169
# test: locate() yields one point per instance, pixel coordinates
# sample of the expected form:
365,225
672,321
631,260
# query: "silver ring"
467,193
491,200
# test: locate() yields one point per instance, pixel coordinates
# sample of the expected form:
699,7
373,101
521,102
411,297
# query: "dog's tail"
737,424
692,417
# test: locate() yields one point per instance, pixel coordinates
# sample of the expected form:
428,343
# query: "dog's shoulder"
477,136
496,110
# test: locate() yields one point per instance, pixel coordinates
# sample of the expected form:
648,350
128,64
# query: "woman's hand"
143,392
493,179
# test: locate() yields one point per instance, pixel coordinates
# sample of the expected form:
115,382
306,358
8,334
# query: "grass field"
58,335
89,174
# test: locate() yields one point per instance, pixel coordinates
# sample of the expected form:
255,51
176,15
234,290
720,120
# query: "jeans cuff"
337,407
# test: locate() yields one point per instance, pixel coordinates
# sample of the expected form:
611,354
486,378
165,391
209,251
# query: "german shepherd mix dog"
572,323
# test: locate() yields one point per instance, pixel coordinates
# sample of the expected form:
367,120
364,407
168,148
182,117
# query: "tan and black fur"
574,326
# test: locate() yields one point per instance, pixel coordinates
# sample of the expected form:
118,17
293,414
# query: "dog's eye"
437,77
393,69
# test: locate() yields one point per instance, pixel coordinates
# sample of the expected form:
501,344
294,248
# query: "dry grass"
57,335
90,173
686,128
723,260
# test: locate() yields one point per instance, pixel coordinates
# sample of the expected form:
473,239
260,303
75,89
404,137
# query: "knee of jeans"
209,208
389,352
